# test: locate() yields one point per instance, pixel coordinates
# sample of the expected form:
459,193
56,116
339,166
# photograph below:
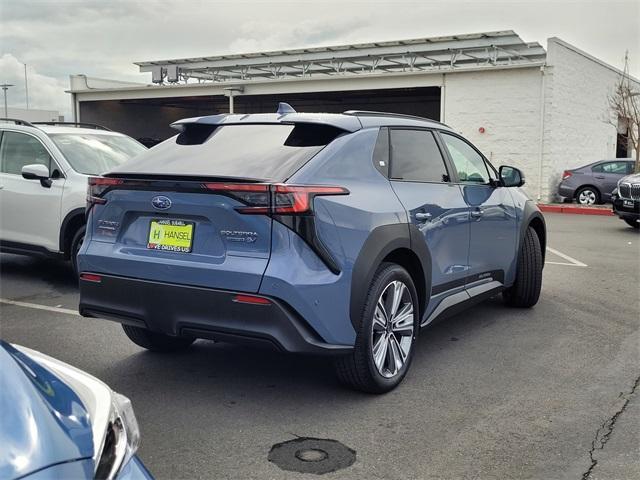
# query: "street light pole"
5,87
26,86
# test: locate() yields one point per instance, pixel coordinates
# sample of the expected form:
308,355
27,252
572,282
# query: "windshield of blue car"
93,154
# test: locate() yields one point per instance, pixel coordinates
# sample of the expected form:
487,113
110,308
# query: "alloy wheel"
392,329
587,197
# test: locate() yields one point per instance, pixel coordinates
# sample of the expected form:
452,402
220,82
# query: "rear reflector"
251,299
274,199
91,277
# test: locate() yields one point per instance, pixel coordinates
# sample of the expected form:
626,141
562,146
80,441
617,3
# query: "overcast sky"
56,38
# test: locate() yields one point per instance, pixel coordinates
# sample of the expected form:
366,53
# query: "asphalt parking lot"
546,393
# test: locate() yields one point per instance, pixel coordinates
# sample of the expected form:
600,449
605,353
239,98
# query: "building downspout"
541,146
442,97
231,92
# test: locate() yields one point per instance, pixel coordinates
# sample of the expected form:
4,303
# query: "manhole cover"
312,455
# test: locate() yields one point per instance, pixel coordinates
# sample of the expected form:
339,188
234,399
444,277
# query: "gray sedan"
593,183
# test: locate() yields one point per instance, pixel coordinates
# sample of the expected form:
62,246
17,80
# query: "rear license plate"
171,235
628,203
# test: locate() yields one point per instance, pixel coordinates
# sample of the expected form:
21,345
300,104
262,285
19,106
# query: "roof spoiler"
285,115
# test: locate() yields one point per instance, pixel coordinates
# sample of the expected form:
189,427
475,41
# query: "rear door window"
263,152
415,157
619,168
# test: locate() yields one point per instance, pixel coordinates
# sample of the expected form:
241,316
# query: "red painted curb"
576,210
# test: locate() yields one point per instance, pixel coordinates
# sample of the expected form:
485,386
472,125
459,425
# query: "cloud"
45,92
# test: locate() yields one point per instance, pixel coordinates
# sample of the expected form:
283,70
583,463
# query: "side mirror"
511,176
37,171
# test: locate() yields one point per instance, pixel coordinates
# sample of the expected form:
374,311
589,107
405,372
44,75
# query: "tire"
632,222
525,292
156,342
76,243
588,196
360,370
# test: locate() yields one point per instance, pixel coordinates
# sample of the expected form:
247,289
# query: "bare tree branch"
624,105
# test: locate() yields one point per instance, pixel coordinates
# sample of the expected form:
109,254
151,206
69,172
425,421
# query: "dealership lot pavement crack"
604,432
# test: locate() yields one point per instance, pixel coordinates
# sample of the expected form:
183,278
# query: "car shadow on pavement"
626,230
57,273
216,370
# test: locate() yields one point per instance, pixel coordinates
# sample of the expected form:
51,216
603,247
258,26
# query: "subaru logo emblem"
161,202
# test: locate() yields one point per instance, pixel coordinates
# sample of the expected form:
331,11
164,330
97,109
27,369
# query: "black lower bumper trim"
181,310
631,210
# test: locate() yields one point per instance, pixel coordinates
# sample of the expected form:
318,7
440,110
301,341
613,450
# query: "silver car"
626,200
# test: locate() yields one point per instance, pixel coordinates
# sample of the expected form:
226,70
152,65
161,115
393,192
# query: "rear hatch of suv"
198,209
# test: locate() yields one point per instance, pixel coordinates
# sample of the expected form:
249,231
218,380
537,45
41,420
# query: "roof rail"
17,121
75,124
368,113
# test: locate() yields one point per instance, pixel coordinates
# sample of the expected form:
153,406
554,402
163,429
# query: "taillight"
274,199
298,199
96,187
566,174
256,196
290,205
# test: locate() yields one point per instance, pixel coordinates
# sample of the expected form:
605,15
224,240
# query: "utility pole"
5,87
26,86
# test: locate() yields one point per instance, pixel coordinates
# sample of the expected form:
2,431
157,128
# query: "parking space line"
37,306
573,261
67,311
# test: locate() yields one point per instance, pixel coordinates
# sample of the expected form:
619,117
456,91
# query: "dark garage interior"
149,118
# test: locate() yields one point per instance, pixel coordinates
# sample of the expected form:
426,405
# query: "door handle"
600,177
423,216
477,213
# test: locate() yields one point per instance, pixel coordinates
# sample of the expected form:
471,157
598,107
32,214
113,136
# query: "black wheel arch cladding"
383,241
532,217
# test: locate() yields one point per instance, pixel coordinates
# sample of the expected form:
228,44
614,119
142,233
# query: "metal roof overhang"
439,54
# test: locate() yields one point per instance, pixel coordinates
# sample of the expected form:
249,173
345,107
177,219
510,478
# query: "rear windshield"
261,152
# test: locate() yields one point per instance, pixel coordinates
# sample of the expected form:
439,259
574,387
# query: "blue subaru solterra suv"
339,234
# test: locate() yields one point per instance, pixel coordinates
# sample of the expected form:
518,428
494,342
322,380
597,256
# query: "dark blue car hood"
42,421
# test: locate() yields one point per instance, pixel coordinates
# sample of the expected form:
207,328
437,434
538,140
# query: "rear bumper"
566,191
182,310
626,211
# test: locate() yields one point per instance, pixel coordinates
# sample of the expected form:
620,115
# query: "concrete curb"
576,210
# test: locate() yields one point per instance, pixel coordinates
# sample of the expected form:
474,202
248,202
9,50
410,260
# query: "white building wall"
506,103
576,112
33,115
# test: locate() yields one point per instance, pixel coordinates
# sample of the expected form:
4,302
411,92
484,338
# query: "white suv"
43,182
